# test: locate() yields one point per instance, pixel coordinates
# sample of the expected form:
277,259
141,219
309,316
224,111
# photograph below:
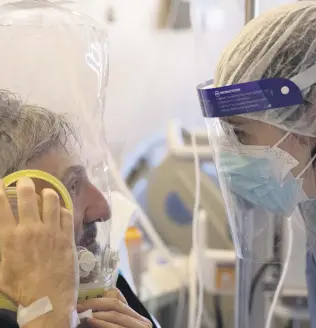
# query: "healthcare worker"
260,111
54,70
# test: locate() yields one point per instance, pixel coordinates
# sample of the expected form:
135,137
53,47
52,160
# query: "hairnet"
279,43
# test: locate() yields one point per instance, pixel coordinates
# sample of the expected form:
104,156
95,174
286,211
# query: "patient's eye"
75,180
74,187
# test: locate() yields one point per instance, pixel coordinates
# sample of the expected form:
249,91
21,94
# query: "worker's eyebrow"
234,120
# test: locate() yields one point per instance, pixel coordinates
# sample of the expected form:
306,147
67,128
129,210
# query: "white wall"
153,73
264,5
152,76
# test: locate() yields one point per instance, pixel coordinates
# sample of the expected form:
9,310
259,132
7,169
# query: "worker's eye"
241,135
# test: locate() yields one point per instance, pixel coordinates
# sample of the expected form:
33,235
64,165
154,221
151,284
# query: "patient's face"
90,206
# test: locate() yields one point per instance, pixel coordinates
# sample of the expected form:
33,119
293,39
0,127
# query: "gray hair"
27,132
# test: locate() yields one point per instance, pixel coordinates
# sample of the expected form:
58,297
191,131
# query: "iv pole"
250,10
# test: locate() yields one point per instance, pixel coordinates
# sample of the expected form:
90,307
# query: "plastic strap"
33,311
303,79
306,78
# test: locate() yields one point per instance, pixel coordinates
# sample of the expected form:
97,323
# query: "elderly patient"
34,138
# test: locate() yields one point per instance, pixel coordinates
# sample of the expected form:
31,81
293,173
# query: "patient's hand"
112,311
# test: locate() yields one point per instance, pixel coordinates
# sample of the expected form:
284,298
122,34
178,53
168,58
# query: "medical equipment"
171,191
165,187
137,254
67,89
218,262
119,184
220,276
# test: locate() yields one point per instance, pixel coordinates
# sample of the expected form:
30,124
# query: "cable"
192,292
256,279
180,306
283,275
195,235
218,312
208,320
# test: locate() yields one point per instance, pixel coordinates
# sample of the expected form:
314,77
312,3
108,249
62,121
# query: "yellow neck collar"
6,304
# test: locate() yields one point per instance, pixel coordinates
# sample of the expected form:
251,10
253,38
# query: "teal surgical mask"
262,176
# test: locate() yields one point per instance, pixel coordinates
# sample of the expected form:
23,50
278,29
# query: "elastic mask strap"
307,166
281,140
306,78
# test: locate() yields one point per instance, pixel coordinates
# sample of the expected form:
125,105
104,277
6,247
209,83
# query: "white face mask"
281,161
262,175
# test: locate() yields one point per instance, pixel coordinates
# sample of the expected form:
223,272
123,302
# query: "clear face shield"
266,173
54,75
261,184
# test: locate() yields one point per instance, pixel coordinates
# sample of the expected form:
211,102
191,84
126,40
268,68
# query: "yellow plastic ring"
14,177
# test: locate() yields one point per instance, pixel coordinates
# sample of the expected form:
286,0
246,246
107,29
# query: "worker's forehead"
236,120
